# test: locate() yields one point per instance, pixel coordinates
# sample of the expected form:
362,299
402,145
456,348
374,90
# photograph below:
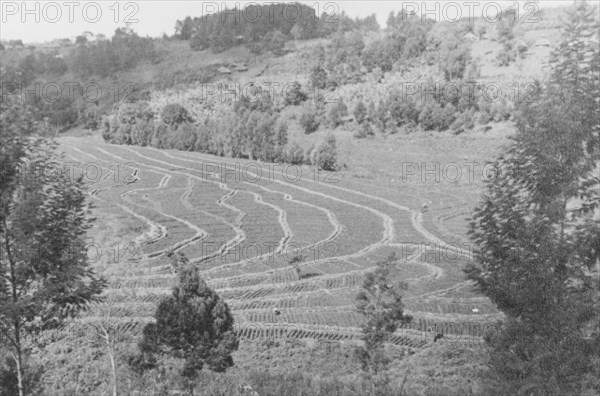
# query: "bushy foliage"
273,41
258,99
295,154
360,112
268,31
174,114
194,324
448,49
506,36
537,230
318,77
325,154
336,113
281,141
342,58
251,129
308,150
294,95
380,302
45,277
364,130
32,380
104,58
309,120
405,39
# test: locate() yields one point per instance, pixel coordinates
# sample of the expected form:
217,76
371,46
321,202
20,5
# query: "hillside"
287,241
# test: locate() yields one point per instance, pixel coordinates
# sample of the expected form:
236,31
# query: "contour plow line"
416,222
163,230
240,237
416,219
388,226
200,233
155,231
388,234
337,226
282,218
332,218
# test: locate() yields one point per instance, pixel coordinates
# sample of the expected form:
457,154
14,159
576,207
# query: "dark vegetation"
538,231
264,27
194,324
249,128
45,278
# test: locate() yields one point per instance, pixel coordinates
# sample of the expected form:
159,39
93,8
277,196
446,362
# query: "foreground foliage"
44,274
194,324
538,231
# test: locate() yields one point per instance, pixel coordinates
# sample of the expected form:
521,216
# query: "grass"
363,215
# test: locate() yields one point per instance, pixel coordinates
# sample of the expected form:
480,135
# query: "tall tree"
44,274
539,244
380,302
193,323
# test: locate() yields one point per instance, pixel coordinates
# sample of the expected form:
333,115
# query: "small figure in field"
424,207
437,337
276,311
133,178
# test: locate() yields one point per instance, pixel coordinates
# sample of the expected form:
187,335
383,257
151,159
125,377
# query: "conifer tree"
195,324
538,240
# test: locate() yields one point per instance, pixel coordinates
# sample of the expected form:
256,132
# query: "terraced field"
242,227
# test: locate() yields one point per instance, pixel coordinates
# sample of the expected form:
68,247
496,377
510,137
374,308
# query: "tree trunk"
111,352
19,361
16,323
114,370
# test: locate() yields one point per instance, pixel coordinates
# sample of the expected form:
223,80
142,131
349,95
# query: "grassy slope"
443,368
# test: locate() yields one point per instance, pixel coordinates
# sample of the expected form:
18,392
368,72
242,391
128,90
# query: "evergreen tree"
195,324
539,243
381,304
360,112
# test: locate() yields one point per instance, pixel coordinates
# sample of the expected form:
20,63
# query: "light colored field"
242,229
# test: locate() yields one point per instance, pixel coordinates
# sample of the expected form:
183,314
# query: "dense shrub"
247,129
360,112
294,95
174,114
295,154
325,154
281,140
168,78
257,99
308,120
268,32
272,41
308,153
343,60
199,42
318,77
336,113
142,132
160,136
184,137
364,130
104,58
32,381
193,324
465,121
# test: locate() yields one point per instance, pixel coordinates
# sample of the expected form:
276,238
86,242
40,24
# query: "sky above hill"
38,21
